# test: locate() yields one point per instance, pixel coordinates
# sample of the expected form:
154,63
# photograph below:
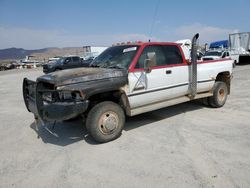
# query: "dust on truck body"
126,80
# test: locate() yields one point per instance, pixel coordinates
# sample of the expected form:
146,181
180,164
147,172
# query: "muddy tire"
219,97
105,121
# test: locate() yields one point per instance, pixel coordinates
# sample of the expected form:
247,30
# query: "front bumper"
50,111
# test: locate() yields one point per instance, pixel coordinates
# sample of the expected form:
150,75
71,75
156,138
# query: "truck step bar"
163,104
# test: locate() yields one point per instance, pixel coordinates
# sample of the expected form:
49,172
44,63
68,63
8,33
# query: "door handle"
168,71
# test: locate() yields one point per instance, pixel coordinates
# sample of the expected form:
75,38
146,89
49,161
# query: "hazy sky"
63,23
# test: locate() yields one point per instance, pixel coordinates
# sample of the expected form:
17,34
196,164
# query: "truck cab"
126,80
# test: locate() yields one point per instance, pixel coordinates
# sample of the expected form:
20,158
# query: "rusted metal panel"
79,75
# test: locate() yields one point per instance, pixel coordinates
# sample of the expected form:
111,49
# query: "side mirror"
188,61
149,62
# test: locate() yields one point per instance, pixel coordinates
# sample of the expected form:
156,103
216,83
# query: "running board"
163,104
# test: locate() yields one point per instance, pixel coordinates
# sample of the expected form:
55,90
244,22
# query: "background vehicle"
239,46
127,80
215,54
222,44
9,66
30,62
64,63
186,46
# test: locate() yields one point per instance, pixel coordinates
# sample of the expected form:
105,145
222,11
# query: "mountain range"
41,54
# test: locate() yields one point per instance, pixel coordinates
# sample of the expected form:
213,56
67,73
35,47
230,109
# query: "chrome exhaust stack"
193,67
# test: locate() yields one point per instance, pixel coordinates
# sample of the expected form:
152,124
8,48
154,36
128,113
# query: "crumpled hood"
78,75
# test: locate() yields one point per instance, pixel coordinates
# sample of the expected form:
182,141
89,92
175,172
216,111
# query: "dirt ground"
187,145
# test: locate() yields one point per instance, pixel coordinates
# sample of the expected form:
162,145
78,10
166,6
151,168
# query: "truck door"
76,62
67,63
168,78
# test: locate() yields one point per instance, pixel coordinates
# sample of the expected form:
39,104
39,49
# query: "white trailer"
239,46
92,51
186,45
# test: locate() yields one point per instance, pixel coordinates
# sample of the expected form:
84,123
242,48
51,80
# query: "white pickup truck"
127,79
216,54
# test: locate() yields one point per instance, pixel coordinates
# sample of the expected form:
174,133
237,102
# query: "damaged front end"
48,103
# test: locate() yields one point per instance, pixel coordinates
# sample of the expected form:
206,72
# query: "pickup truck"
61,63
126,80
215,54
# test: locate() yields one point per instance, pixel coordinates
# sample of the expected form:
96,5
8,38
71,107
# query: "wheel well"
113,96
225,77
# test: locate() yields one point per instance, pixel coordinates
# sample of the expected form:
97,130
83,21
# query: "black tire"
71,119
219,97
205,101
234,64
105,121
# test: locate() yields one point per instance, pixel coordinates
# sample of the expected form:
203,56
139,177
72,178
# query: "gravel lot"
186,145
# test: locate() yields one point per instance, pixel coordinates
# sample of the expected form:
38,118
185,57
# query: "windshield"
116,57
213,53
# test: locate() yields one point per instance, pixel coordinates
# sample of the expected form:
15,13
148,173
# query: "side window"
68,59
224,55
75,59
173,55
165,55
160,57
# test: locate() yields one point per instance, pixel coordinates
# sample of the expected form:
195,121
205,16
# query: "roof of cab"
139,43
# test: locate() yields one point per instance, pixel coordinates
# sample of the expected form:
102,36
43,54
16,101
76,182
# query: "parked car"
68,62
127,80
2,68
30,62
8,66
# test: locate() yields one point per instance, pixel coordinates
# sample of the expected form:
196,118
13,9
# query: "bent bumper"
55,111
63,110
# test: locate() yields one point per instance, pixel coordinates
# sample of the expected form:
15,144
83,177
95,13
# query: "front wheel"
105,121
219,97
